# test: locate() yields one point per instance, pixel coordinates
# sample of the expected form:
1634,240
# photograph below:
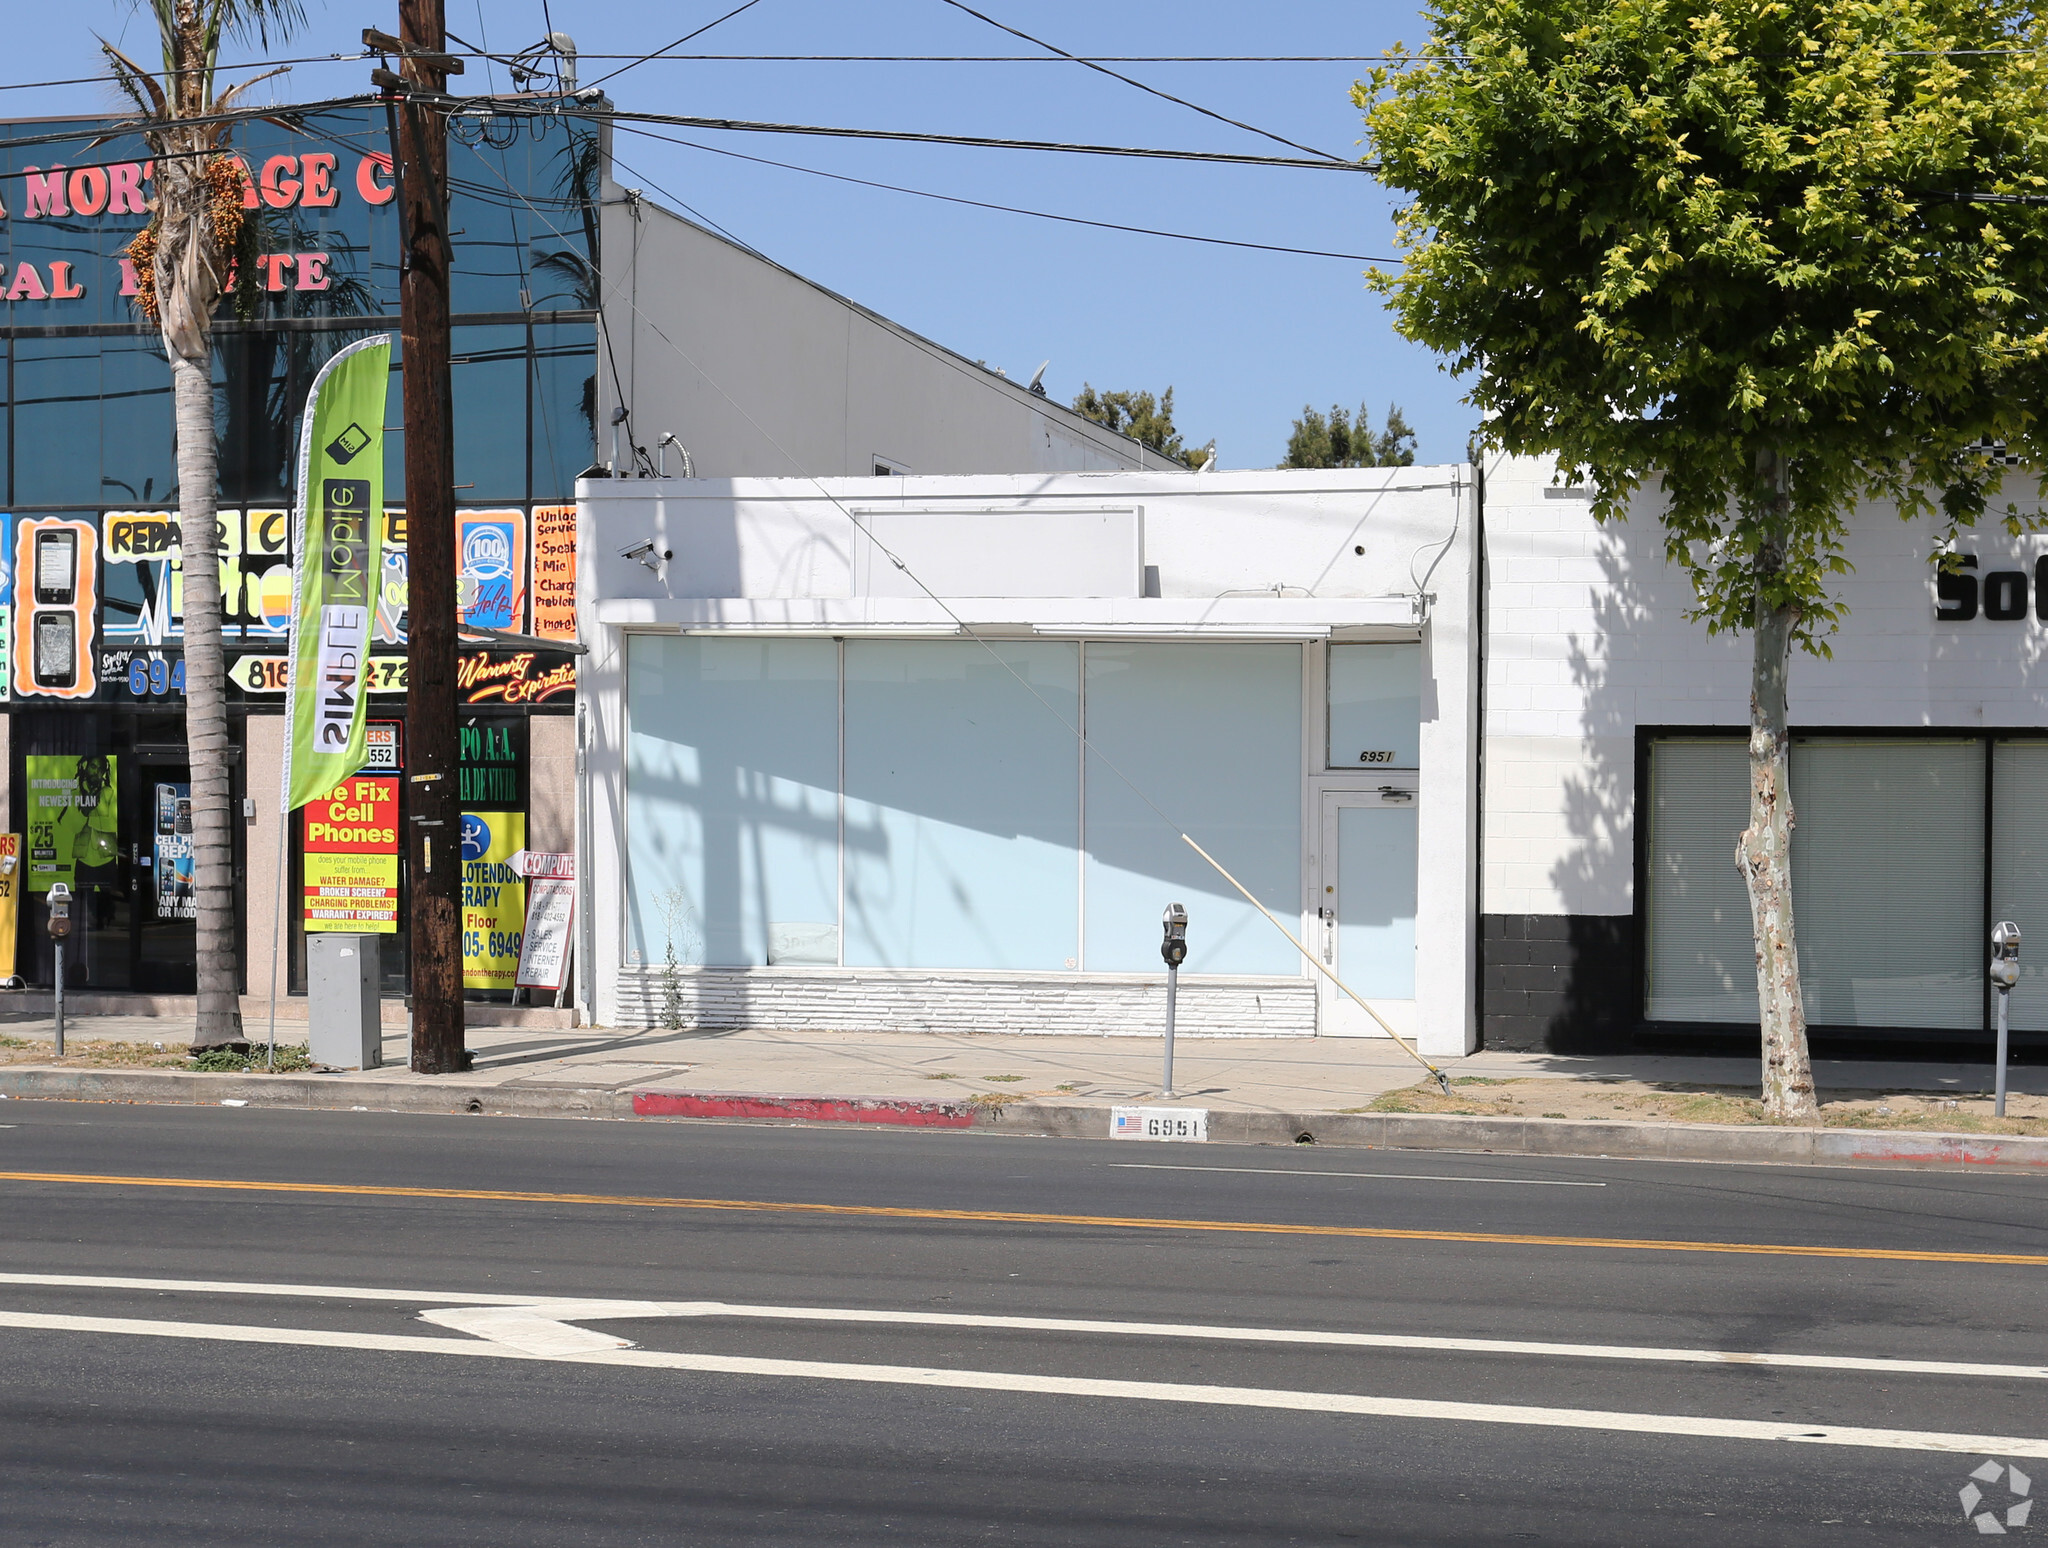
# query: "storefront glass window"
1887,878
1212,734
963,811
962,805
1376,706
2019,870
732,824
1701,957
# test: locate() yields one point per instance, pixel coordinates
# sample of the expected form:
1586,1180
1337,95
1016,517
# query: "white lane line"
1293,1171
1071,1386
243,1287
1349,1340
584,1309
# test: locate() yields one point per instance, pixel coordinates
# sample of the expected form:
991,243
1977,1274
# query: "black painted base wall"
1557,983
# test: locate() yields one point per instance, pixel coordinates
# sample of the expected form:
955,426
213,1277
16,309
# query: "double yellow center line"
1024,1217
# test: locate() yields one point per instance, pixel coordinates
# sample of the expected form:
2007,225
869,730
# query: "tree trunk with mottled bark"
189,281
1764,852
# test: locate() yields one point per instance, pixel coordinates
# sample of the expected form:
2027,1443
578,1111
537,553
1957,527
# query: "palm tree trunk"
206,704
1764,852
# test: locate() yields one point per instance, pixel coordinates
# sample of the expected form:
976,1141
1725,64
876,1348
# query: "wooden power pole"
434,809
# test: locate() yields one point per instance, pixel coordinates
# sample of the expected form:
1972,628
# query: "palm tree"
183,259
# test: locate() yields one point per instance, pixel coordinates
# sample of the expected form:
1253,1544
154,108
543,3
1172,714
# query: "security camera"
648,555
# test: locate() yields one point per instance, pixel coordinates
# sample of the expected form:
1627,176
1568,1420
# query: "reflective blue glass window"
488,377
732,821
1212,735
962,805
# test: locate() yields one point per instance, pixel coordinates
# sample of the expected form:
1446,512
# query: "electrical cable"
967,630
679,42
668,58
1100,69
256,64
107,130
519,108
983,204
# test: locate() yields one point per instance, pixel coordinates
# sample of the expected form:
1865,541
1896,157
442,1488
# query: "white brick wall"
795,999
1587,640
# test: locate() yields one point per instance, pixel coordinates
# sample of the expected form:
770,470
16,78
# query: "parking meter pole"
2004,973
1173,985
1173,950
2004,997
58,901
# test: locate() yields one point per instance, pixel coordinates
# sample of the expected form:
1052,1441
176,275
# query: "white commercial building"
926,752
1615,784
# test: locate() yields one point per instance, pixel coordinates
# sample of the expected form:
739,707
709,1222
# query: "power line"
666,57
1235,123
520,109
102,129
1007,209
679,42
256,64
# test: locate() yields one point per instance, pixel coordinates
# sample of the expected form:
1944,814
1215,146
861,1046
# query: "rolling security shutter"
2019,870
1888,882
1701,955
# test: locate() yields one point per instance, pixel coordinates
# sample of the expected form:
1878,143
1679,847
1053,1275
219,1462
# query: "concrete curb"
1064,1120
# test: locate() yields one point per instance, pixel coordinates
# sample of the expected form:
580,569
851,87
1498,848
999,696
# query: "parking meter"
60,927
2005,972
1174,948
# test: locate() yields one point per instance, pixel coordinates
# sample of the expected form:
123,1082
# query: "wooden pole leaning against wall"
434,825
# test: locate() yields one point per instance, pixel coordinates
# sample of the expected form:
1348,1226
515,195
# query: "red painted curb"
708,1104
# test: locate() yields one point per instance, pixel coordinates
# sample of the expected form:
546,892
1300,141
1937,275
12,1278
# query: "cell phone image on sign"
56,568
56,649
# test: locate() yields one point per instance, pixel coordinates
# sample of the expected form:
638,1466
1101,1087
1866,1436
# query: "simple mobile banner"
337,568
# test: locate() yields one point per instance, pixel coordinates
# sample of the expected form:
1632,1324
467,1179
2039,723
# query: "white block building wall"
1587,643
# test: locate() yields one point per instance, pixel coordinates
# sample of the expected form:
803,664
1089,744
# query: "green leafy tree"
1734,254
1342,442
1144,419
182,262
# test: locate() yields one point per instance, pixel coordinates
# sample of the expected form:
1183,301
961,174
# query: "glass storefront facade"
1909,848
91,573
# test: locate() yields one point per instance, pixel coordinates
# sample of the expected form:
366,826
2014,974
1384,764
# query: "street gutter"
1754,1144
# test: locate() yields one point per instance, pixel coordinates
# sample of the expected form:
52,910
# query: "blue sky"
1244,338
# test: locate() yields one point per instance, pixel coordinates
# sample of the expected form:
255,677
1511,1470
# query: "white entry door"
1366,913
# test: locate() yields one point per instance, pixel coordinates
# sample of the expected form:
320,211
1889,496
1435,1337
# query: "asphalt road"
315,1355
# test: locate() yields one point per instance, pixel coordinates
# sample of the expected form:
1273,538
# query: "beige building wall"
263,759
551,784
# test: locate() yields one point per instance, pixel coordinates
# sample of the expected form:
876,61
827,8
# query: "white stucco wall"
1588,640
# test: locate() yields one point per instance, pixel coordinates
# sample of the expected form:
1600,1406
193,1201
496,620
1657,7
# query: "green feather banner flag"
335,569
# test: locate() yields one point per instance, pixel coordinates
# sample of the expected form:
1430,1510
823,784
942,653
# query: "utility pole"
434,809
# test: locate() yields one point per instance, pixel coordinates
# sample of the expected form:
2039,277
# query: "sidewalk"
1251,1075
